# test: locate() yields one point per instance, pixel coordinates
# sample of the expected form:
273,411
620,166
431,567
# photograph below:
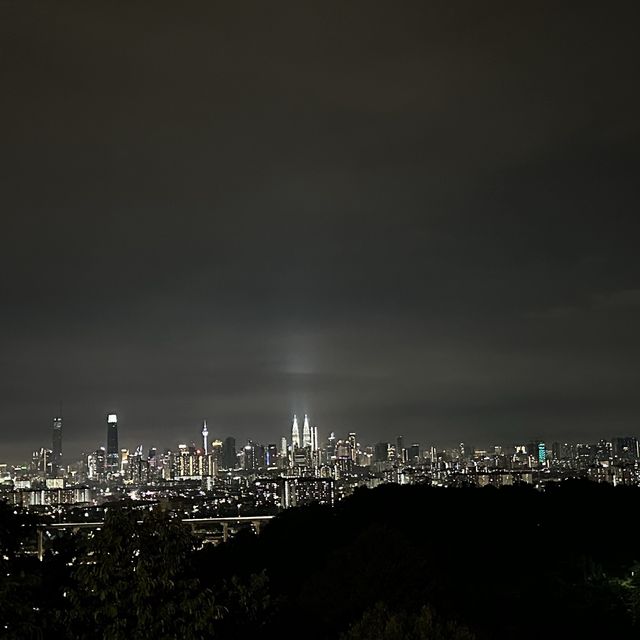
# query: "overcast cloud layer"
402,218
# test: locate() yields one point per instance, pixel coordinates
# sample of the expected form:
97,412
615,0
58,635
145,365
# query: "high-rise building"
168,465
216,450
382,452
603,450
190,463
414,453
353,446
96,463
331,446
113,452
138,467
41,462
314,439
306,432
229,458
253,456
56,450
271,455
154,464
124,462
541,452
538,452
295,434
343,449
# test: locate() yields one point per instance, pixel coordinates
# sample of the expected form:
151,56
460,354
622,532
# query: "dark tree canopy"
394,562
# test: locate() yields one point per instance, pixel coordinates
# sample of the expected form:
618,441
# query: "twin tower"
309,435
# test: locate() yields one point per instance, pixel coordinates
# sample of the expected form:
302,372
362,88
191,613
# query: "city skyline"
226,475
310,437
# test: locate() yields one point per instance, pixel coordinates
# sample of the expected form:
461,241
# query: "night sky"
415,218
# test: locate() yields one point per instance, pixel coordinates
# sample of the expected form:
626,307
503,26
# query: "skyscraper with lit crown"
295,434
113,452
306,432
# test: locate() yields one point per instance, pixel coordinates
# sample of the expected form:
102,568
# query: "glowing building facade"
295,434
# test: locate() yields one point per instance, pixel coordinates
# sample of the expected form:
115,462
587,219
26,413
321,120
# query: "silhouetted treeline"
390,563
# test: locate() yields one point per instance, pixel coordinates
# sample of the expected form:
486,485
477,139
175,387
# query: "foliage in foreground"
378,623
138,579
396,562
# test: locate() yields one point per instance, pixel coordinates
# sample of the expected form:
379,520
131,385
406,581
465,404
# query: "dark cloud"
399,217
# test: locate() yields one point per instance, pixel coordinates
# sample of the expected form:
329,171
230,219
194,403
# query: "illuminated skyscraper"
253,458
538,452
124,462
542,452
331,446
284,454
205,436
306,432
56,450
41,461
353,445
217,452
113,452
271,455
314,439
295,434
96,464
